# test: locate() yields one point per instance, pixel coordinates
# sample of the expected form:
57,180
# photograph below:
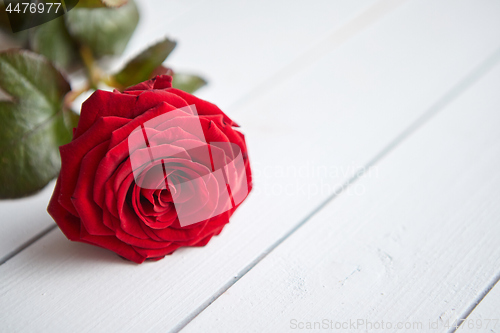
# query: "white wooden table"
373,129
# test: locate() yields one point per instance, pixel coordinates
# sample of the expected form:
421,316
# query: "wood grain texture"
335,114
206,43
416,244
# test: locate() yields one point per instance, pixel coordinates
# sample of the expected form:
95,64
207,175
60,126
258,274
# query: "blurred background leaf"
54,42
141,67
106,31
188,82
33,122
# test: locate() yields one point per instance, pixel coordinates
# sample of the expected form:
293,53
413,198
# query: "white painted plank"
206,44
417,246
486,315
237,45
339,112
23,219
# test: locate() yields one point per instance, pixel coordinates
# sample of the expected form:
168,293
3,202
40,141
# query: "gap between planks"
475,303
26,244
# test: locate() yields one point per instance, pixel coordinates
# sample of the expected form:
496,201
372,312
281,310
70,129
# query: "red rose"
150,170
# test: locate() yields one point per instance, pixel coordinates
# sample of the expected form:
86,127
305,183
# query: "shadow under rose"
55,249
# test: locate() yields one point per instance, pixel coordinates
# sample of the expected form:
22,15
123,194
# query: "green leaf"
140,68
106,31
187,82
33,123
52,40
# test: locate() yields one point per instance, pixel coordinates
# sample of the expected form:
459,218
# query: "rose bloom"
148,171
